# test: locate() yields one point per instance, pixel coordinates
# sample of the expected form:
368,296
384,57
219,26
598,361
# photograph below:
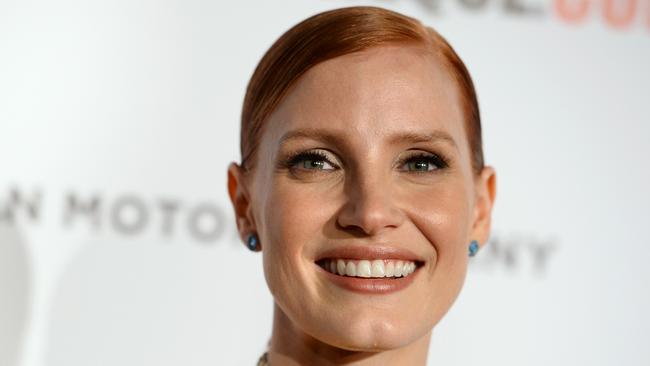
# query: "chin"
373,335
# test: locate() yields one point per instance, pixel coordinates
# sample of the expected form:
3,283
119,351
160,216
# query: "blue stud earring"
252,242
473,248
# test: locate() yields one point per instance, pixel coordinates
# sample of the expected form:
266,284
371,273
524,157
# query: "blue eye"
423,163
315,164
419,165
311,160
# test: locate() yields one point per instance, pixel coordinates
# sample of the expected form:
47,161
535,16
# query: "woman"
363,185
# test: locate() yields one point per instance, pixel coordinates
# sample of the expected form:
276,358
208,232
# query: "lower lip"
370,285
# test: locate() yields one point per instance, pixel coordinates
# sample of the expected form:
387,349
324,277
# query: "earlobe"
485,196
240,199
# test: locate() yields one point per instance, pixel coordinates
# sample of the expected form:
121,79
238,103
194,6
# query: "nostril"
367,216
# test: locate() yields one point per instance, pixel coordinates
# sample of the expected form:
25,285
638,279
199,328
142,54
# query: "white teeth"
340,267
399,269
363,268
390,269
351,269
377,268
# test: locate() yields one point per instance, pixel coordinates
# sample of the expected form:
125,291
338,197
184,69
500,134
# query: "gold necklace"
264,360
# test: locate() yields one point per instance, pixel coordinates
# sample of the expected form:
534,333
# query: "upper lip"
370,252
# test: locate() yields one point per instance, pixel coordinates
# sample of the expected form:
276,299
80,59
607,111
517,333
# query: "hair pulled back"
336,33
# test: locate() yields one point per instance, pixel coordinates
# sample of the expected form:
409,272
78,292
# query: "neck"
290,346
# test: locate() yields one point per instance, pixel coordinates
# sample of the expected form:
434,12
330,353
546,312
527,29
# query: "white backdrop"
118,120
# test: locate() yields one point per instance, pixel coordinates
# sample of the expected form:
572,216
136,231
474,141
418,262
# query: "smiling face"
367,150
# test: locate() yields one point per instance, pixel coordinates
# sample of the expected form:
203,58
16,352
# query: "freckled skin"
365,196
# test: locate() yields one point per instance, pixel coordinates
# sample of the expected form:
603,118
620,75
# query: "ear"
485,188
240,199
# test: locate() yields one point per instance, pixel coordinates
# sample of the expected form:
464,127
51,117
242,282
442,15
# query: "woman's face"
366,151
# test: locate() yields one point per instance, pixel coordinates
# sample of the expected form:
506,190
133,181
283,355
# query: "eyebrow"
400,137
414,137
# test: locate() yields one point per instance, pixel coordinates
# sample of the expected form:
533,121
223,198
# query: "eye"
422,163
311,160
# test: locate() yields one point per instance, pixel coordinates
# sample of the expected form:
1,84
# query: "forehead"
382,90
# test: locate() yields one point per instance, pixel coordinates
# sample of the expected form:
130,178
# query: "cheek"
295,216
293,222
441,215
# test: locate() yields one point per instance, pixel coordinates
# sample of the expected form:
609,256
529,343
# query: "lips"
368,283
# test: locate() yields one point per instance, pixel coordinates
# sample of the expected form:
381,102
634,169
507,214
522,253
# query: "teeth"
350,269
363,268
340,267
399,268
377,268
390,269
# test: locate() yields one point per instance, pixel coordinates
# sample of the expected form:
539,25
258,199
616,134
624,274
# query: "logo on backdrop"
129,215
618,14
132,216
517,252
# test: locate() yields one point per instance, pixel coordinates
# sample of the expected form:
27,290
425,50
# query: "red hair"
336,33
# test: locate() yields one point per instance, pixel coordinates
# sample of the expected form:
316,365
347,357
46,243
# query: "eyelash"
299,157
438,160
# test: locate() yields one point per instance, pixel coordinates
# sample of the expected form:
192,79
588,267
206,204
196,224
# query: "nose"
370,207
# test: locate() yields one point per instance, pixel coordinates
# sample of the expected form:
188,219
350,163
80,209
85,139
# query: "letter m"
75,207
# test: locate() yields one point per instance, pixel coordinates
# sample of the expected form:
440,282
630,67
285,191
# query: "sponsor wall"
118,120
